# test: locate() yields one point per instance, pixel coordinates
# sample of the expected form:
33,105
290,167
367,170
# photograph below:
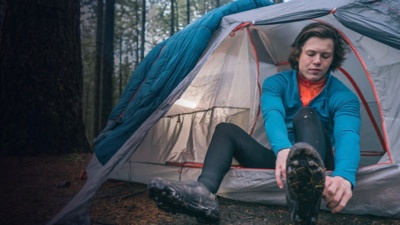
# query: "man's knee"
227,129
307,113
304,111
225,126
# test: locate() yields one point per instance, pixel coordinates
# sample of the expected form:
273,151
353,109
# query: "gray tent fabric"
374,19
224,86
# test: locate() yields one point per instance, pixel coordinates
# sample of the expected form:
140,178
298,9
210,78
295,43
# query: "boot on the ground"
191,198
305,183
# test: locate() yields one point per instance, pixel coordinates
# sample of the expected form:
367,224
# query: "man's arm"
346,134
274,113
347,122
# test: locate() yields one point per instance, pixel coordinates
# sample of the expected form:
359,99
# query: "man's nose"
317,60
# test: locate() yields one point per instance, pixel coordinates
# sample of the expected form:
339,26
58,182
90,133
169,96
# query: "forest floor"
35,189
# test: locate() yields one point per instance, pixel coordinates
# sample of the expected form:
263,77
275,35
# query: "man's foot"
305,183
191,198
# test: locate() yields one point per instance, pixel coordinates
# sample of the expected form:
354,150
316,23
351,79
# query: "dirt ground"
35,189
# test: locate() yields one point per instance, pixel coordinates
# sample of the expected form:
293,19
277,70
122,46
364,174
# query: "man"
306,112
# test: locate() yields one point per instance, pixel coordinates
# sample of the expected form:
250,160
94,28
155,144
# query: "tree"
172,17
2,14
143,32
108,63
41,78
187,12
98,68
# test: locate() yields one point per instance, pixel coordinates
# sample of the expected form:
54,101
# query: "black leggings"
230,141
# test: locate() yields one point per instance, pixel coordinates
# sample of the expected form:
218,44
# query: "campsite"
179,112
34,189
207,73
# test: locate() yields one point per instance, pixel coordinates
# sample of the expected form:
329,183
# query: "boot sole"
306,180
169,200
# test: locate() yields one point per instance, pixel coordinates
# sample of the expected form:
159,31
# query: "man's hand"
337,193
280,166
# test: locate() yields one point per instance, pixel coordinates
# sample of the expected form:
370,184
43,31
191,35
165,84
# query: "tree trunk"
108,63
172,25
120,67
41,78
136,51
188,12
98,68
143,33
2,15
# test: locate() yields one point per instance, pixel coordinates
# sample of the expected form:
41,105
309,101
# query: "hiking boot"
191,198
305,183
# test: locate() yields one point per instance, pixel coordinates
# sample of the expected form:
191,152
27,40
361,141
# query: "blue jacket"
337,106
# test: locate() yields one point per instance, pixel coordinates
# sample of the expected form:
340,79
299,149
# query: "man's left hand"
337,193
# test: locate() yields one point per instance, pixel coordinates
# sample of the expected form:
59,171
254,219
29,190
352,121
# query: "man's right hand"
280,166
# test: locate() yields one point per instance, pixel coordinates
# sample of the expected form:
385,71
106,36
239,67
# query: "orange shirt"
308,89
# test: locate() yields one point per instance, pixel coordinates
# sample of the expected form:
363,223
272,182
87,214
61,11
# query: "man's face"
316,58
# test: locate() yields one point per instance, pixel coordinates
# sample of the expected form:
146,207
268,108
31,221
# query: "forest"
64,65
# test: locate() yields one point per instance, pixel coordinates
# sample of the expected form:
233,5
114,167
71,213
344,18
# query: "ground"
35,189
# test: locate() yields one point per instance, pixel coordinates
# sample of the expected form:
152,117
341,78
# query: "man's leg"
230,141
305,167
198,198
308,128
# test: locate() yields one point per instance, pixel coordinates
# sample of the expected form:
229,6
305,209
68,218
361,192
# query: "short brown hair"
324,31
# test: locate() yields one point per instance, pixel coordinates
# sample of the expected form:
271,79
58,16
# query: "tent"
211,72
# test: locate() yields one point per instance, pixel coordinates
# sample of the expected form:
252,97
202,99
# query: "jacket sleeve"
346,132
274,112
